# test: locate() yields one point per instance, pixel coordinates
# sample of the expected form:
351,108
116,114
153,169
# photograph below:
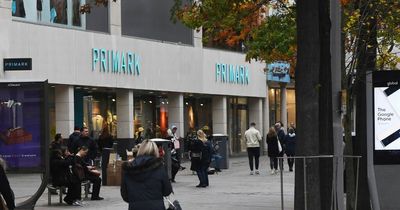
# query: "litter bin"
167,157
223,148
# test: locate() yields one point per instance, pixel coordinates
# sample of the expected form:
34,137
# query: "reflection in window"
58,11
18,8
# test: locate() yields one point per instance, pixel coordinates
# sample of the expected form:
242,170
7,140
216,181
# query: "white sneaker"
273,171
257,172
251,173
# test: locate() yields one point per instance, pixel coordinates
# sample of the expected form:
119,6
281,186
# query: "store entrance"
238,123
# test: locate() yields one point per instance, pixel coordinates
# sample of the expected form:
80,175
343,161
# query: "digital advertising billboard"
22,126
386,90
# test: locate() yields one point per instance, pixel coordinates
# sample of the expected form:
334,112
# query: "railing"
335,161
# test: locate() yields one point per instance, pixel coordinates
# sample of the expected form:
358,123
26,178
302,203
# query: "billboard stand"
24,132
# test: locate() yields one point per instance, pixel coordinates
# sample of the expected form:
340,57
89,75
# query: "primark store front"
109,70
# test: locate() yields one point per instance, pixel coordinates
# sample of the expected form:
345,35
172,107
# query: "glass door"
238,123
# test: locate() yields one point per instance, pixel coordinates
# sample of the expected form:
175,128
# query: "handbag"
173,205
279,146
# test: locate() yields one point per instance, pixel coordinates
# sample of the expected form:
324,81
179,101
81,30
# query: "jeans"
203,175
217,158
253,152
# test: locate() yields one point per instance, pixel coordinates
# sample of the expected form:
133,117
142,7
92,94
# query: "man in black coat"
87,141
74,137
91,173
5,189
281,137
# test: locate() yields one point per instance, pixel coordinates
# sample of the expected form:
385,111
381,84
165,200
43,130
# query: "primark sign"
115,62
232,74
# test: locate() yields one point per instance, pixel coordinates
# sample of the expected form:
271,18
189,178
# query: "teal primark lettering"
232,74
115,62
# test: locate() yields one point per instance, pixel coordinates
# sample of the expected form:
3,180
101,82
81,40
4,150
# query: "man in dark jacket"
87,141
91,173
5,189
281,137
74,137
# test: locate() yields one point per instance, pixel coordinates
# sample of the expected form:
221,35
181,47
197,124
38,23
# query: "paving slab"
233,188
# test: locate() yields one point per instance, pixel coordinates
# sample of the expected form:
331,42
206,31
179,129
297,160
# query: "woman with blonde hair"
145,180
273,149
201,158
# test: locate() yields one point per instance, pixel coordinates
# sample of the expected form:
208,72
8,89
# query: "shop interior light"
113,99
78,88
163,102
151,92
151,102
201,104
187,103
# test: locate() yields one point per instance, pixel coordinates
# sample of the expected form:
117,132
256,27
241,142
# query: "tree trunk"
366,54
325,106
307,104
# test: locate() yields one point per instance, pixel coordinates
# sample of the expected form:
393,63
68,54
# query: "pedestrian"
74,137
139,136
91,173
144,180
57,143
290,142
5,189
105,139
201,158
61,164
86,141
280,132
273,149
253,138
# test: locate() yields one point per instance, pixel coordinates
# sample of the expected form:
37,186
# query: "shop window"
198,115
151,19
61,12
151,116
98,113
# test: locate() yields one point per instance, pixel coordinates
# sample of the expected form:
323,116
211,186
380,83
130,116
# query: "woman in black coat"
5,189
201,152
145,181
290,142
273,149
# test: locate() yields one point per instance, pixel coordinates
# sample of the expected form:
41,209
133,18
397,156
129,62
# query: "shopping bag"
279,146
173,205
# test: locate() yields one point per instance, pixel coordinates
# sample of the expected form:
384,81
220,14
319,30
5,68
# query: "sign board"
278,72
386,85
17,64
22,126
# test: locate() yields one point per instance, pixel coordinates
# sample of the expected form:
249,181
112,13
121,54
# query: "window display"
151,114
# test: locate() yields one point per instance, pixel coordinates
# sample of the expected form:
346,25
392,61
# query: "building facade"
107,75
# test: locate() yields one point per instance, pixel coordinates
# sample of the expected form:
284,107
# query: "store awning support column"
256,114
284,106
64,105
219,115
175,112
125,114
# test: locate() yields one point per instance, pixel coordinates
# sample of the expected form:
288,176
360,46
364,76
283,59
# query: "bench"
50,187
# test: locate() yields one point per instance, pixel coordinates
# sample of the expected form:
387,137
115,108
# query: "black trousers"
253,153
290,161
273,162
96,185
74,192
